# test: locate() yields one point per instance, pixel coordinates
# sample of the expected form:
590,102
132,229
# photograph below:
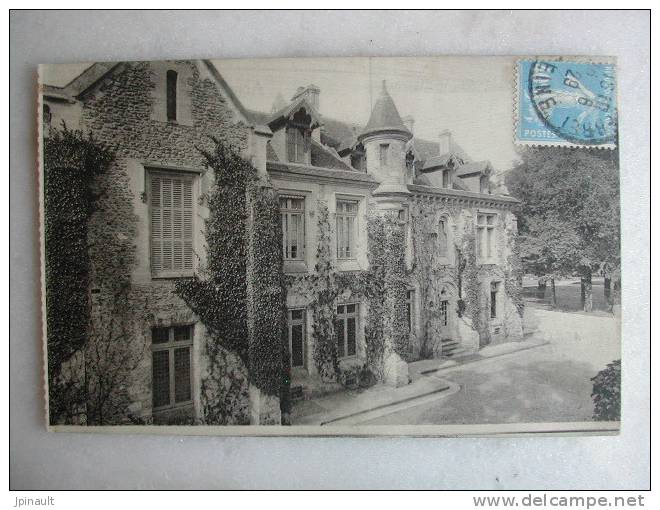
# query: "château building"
458,228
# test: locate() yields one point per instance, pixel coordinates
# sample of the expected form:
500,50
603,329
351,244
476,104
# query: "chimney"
445,142
409,122
311,93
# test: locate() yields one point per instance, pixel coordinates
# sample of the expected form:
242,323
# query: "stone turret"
384,139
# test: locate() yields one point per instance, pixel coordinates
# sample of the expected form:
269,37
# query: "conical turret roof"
385,117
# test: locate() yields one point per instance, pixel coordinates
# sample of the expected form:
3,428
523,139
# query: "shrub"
606,393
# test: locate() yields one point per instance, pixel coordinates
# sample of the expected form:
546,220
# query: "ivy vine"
71,162
243,237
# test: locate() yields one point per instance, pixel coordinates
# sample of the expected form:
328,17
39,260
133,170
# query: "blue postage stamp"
566,103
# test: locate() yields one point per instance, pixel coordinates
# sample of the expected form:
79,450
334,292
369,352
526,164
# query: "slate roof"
300,102
335,134
475,167
438,161
384,116
435,179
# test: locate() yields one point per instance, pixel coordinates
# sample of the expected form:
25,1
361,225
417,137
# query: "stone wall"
120,113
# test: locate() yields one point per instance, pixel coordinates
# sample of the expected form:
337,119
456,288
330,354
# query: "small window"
443,238
444,315
483,184
346,324
292,213
296,145
494,289
384,149
410,160
410,310
358,161
485,236
446,178
297,336
172,78
346,221
171,366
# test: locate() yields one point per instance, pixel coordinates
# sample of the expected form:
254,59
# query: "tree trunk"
586,291
541,286
554,293
607,290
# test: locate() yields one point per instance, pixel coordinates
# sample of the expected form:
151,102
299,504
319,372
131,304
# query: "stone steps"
451,348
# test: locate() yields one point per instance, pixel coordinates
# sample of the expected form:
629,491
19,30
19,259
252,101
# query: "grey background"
42,460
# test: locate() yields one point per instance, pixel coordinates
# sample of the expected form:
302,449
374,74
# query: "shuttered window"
172,216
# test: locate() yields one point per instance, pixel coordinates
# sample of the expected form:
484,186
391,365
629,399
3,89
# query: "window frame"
443,237
383,154
289,212
171,346
446,179
344,317
352,239
183,175
296,137
486,229
172,96
290,323
494,295
443,312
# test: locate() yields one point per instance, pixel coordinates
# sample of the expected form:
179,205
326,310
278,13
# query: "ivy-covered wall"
460,278
119,112
71,163
239,293
380,289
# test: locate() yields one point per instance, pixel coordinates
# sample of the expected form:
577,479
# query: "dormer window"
358,158
410,160
446,178
298,137
172,78
483,184
296,145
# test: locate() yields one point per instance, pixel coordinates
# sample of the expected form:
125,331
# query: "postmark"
566,103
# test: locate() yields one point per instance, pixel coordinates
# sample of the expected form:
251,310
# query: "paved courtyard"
547,383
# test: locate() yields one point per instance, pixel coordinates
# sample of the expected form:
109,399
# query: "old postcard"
349,246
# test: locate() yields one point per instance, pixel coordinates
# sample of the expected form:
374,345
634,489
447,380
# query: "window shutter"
188,224
156,226
171,224
166,201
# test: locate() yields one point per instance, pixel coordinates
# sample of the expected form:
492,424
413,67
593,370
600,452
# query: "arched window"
171,95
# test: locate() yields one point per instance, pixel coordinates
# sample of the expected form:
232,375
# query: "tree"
569,216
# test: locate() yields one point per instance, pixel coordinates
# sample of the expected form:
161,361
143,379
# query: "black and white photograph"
332,246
